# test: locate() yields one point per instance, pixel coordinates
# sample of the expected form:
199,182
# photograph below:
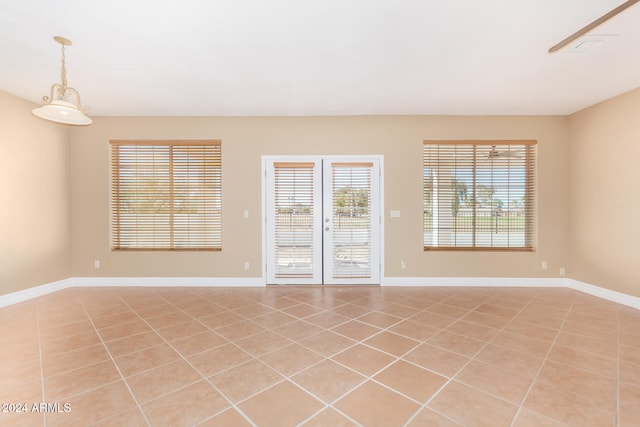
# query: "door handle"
326,229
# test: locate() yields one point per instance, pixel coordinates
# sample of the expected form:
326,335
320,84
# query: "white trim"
88,282
597,291
169,281
608,294
36,291
534,282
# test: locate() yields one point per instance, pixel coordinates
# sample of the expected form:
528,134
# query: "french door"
323,220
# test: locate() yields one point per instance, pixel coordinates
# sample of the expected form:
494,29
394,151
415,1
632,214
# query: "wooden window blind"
166,195
294,219
352,234
479,195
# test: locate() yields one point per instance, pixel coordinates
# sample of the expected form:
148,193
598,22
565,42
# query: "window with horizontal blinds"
479,195
351,216
294,219
166,195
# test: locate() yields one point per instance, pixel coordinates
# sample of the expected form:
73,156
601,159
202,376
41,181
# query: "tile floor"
313,356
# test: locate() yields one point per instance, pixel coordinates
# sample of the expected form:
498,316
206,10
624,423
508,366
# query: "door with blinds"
323,220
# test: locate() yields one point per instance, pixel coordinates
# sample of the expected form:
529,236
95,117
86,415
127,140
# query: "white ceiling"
318,57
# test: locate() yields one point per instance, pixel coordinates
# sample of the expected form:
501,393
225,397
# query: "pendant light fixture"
57,106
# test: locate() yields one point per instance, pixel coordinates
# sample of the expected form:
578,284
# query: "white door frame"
268,159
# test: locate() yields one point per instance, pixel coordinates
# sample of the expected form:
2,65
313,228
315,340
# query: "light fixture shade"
61,111
56,108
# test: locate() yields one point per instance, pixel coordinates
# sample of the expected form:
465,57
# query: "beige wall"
604,194
55,195
245,140
34,198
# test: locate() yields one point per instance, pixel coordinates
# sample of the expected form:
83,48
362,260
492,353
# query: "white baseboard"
596,291
36,291
604,293
533,282
169,281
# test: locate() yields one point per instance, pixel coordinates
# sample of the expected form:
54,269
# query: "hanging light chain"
62,90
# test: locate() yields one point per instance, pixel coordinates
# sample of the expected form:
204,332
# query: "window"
479,195
294,191
166,195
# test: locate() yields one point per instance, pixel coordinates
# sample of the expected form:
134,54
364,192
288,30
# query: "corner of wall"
34,182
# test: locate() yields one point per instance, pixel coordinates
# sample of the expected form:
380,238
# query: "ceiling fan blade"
515,154
581,32
496,155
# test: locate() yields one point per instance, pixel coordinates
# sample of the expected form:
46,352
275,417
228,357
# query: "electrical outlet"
544,265
96,263
246,265
562,271
403,264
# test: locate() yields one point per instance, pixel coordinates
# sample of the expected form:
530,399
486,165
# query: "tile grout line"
450,379
115,365
254,357
206,379
41,361
324,408
324,359
370,377
399,358
387,329
575,305
472,358
539,370
328,358
396,358
113,360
